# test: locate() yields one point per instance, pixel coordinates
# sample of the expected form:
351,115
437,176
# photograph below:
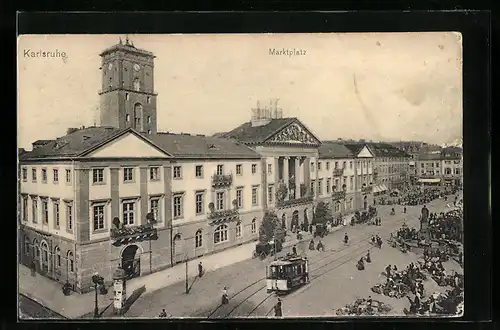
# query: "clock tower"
127,97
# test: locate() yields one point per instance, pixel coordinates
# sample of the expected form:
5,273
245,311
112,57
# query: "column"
297,180
276,171
286,176
307,173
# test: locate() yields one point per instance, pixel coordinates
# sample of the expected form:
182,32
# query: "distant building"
443,167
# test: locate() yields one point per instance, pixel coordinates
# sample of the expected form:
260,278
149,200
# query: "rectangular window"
437,164
178,207
128,174
239,197
55,173
255,197
269,168
239,169
422,165
350,164
25,174
56,215
312,187
128,213
199,203
351,182
177,172
319,166
220,169
328,183
98,216
199,171
98,175
312,166
254,168
270,193
154,173
327,166
34,209
45,211
68,176
238,230
457,171
154,208
220,201
44,175
344,165
336,165
320,187
25,208
69,216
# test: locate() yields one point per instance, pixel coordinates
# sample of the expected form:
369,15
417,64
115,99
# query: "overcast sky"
391,86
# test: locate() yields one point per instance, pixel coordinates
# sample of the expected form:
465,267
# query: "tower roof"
128,46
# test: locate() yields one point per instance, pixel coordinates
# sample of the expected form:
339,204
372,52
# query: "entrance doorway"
365,202
131,263
178,249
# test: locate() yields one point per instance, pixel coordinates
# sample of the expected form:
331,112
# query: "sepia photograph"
221,176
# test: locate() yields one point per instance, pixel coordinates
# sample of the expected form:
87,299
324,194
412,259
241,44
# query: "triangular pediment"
128,145
294,133
365,153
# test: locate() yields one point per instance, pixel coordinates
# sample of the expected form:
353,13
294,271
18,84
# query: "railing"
222,214
296,201
338,171
222,180
127,235
337,195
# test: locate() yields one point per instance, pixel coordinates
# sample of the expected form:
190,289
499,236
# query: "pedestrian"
200,269
163,313
404,209
33,268
277,309
320,246
225,298
294,250
368,258
346,239
311,229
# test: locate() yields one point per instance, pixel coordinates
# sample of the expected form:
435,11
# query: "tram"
287,273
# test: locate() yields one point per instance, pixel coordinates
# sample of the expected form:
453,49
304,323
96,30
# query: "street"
335,281
29,308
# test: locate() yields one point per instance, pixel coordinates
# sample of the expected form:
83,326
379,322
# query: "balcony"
338,195
338,171
293,202
218,217
367,190
126,235
222,180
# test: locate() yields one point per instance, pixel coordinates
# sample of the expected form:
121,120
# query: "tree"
321,214
269,223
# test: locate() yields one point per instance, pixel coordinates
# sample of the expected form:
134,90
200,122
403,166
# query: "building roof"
178,145
386,150
247,133
200,146
334,150
354,148
73,144
429,156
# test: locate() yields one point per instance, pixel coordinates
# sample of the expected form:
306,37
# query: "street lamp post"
97,280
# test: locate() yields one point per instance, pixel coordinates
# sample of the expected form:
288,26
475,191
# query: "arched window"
57,253
45,252
220,234
254,225
36,249
71,262
198,239
26,245
238,229
137,84
127,118
138,116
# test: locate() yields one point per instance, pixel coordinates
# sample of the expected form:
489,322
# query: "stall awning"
376,189
433,180
411,163
383,188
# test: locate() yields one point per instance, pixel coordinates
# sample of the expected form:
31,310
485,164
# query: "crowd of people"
400,283
364,216
446,225
365,307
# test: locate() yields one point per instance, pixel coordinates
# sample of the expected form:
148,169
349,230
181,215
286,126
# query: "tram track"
222,312
266,297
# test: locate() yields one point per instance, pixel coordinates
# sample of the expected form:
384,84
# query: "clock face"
110,66
137,67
